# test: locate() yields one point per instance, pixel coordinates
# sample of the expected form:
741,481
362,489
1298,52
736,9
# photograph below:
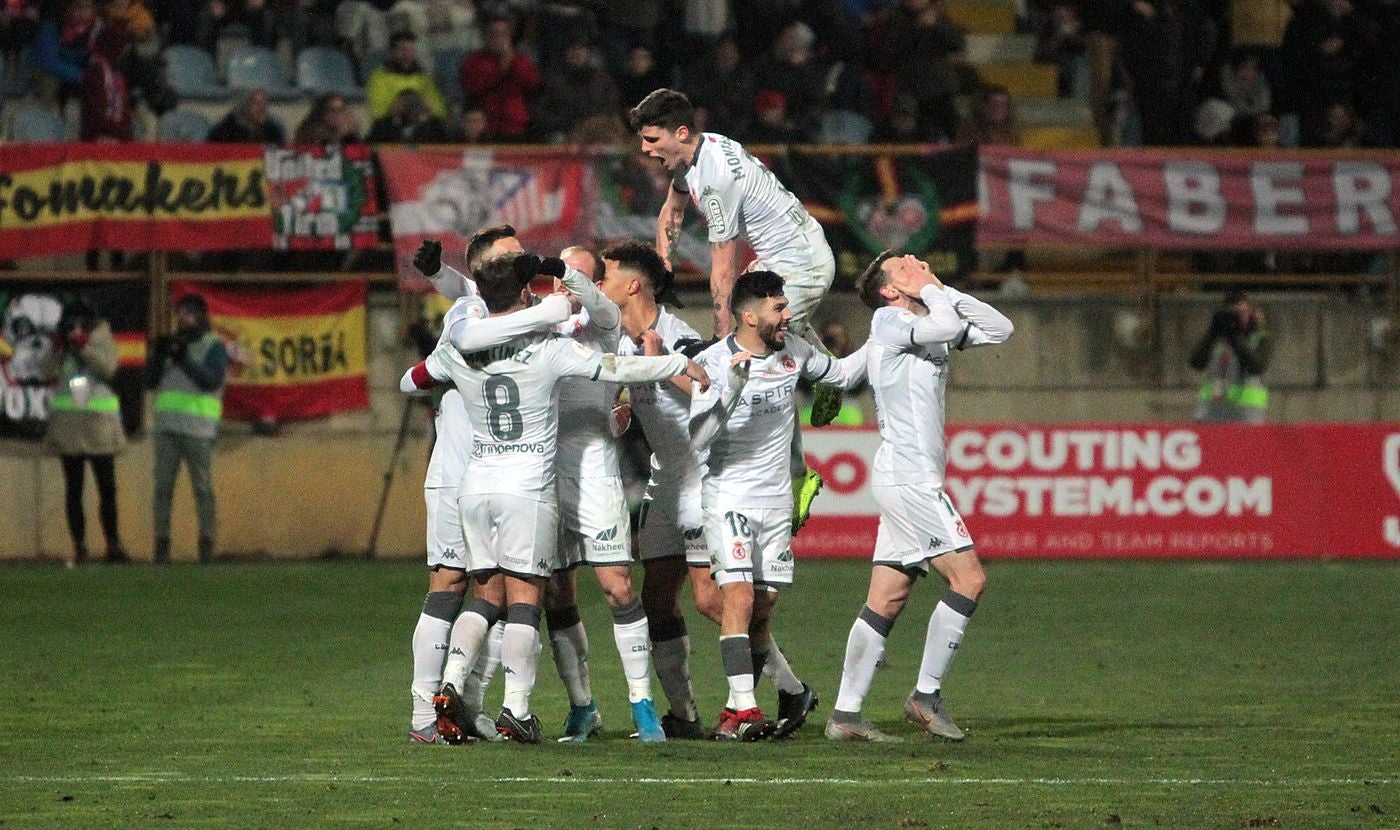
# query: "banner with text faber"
294,353
65,198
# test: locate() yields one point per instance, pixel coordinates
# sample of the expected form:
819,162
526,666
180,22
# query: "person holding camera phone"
85,426
187,372
1234,353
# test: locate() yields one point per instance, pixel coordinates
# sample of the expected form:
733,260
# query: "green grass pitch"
1114,695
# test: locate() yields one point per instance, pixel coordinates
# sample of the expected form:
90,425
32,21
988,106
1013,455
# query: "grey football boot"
853,726
929,712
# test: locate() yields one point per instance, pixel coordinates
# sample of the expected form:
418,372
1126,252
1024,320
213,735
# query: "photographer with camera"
85,425
1234,353
187,372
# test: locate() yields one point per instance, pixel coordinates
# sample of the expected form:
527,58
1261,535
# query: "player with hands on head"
918,322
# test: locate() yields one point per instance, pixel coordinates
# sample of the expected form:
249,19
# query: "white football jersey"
748,458
907,365
662,409
738,195
448,462
586,445
510,392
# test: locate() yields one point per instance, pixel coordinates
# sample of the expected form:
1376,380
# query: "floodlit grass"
1095,695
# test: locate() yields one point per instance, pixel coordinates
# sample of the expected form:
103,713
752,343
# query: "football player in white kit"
918,322
739,196
507,499
670,536
446,545
745,422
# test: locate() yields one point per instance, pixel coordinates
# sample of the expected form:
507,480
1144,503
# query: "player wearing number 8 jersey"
745,422
918,322
507,498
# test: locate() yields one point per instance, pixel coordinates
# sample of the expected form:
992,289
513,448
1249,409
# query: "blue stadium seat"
258,67
191,71
323,69
34,123
182,125
445,65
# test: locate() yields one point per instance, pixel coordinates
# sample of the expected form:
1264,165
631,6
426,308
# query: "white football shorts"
510,533
595,527
749,544
447,546
670,522
917,523
807,272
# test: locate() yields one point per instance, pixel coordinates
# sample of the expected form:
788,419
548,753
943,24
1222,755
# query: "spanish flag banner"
294,353
63,198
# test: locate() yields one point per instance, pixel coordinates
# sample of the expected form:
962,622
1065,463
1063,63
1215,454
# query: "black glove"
553,266
428,260
526,266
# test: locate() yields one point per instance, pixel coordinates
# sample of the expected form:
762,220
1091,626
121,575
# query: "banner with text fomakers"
293,353
1191,199
1136,491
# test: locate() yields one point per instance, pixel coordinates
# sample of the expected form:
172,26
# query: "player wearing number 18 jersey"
918,323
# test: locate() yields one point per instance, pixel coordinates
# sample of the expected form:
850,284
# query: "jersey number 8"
503,408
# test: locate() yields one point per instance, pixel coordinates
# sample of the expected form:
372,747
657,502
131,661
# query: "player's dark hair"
642,258
664,108
753,287
481,242
872,279
498,284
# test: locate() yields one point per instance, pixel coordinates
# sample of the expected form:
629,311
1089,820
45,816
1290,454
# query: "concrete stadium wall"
313,490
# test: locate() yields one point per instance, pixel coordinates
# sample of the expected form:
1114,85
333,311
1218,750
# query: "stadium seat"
445,65
844,127
1022,80
191,72
182,125
322,69
1059,138
257,67
34,123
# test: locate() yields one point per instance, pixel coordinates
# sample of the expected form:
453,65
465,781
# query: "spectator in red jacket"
498,79
105,100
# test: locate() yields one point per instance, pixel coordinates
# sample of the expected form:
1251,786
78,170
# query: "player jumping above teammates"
670,535
447,553
508,501
745,422
738,195
918,321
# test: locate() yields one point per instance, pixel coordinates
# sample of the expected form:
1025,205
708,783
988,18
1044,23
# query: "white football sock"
634,646
430,651
737,656
865,646
468,635
569,645
670,651
519,657
776,669
474,695
945,633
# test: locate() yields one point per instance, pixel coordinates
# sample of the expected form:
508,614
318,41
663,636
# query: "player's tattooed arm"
668,224
724,269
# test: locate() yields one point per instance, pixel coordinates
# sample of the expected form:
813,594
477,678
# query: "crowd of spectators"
1318,73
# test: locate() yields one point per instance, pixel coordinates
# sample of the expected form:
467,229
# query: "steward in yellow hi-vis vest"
1233,354
85,425
187,371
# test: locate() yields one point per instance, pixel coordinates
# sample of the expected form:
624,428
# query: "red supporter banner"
449,195
64,198
294,353
323,197
1194,199
1140,491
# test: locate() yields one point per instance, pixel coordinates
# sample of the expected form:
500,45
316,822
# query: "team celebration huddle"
524,488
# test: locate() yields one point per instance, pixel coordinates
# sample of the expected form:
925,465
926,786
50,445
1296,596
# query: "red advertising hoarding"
1150,491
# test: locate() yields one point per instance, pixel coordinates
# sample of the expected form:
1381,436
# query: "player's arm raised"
475,334
724,270
430,372
602,312
983,325
711,408
446,280
942,323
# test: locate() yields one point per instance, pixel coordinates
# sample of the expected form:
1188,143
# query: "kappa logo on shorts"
739,552
693,533
933,542
450,554
785,556
606,535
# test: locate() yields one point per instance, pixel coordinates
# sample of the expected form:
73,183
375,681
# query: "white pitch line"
319,778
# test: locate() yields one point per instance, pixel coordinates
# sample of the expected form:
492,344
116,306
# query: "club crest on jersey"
739,553
789,365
